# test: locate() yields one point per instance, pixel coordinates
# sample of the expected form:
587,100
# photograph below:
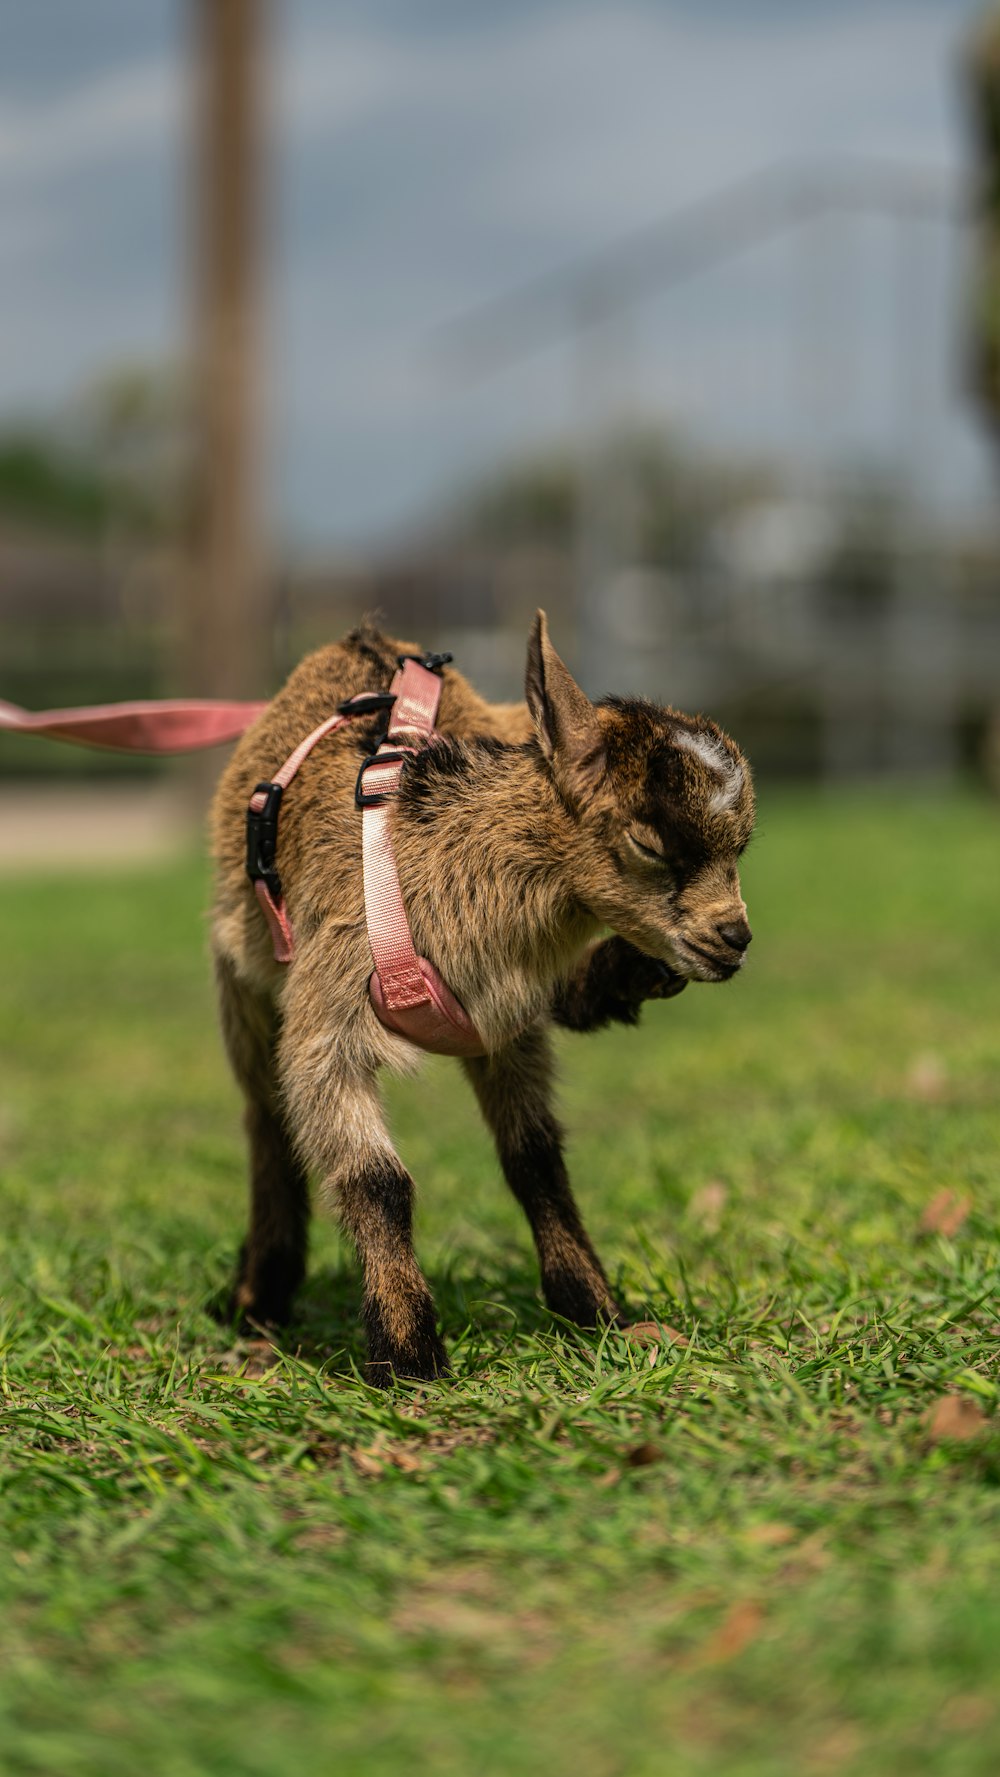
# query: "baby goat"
519,837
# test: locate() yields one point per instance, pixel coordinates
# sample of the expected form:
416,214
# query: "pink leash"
167,727
407,993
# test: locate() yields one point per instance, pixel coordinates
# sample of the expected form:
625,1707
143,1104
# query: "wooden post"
228,629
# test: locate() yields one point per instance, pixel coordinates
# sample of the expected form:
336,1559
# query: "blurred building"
829,596
753,483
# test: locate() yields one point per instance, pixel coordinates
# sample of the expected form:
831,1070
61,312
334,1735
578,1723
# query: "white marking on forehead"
720,763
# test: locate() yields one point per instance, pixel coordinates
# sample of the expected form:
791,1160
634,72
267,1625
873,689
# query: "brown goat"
520,836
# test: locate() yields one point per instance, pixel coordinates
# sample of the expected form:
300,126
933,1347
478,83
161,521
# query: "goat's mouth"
702,964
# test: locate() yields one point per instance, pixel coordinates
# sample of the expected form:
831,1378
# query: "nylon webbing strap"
273,906
160,726
417,693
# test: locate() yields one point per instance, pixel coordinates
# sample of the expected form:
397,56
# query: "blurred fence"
825,659
837,604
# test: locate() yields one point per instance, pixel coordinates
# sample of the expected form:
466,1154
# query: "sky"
427,157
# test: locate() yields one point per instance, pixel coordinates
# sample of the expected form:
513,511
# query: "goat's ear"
566,723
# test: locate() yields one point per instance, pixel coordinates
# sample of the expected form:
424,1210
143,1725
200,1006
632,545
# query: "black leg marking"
514,1092
403,1340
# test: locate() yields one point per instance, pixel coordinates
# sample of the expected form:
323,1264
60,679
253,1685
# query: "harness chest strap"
407,993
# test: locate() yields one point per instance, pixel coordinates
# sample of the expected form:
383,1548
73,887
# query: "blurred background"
680,320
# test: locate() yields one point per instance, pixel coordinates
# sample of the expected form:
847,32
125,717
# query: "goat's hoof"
264,1287
248,1310
386,1369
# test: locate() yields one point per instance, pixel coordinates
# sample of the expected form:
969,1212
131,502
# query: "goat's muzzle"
718,954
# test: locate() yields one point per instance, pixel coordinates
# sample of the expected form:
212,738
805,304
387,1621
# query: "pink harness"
406,991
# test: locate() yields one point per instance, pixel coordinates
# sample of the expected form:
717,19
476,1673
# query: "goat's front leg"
334,1110
610,984
514,1089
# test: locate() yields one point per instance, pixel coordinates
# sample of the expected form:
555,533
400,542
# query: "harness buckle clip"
262,837
366,703
375,798
432,663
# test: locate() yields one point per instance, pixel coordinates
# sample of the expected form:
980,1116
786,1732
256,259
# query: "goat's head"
662,807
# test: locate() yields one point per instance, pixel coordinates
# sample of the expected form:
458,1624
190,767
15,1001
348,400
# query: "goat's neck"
486,873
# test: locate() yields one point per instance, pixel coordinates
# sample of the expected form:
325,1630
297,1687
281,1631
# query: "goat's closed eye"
651,853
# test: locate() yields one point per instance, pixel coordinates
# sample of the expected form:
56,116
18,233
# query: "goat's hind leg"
272,1259
514,1090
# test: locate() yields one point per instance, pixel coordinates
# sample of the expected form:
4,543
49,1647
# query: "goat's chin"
672,950
697,964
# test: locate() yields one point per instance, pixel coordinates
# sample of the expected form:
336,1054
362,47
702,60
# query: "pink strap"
303,750
407,993
274,909
149,727
279,924
285,775
417,693
437,1022
396,962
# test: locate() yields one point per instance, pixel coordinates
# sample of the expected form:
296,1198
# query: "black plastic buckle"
432,662
377,797
262,838
367,703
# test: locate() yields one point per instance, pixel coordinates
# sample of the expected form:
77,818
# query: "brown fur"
528,830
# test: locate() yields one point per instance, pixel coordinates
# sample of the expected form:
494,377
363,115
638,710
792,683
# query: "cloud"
135,109
424,166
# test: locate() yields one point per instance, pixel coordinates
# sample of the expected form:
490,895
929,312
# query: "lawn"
768,1547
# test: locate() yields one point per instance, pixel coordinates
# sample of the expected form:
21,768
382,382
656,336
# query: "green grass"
748,1557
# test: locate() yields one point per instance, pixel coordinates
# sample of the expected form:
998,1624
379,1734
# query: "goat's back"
319,849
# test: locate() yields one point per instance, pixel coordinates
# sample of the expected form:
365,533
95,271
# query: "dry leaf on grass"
378,1458
945,1213
927,1078
954,1417
968,1712
708,1203
473,1624
834,1749
368,1463
650,1332
739,1627
771,1536
409,1458
641,1455
637,1456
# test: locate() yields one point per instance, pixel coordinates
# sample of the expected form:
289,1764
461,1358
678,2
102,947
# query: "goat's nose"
736,933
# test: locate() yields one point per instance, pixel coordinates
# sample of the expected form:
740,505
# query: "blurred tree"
674,494
46,487
114,461
136,422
